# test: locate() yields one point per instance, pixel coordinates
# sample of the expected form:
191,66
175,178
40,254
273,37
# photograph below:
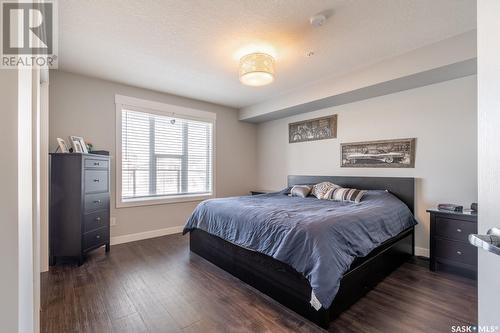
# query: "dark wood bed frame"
290,288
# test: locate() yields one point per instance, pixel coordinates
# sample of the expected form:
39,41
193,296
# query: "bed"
316,257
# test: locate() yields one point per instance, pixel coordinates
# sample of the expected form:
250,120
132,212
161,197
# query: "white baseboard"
145,235
421,252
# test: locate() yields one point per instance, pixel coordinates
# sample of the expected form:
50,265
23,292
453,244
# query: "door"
488,158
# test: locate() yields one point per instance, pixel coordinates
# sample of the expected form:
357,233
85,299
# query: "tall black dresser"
79,205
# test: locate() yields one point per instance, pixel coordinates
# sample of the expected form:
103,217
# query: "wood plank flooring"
157,285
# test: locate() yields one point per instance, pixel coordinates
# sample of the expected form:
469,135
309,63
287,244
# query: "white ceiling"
191,47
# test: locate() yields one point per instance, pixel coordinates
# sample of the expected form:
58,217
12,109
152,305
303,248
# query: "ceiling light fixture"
257,69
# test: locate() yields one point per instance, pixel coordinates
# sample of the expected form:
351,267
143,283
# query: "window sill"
162,200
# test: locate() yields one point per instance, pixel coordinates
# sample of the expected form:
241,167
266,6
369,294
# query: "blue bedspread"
319,238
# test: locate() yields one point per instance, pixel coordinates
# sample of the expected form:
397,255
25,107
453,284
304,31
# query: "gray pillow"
300,191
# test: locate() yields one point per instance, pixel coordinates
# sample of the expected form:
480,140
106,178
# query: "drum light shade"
257,69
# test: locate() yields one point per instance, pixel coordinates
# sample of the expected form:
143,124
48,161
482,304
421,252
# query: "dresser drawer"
457,252
454,229
96,181
95,238
94,202
95,220
96,164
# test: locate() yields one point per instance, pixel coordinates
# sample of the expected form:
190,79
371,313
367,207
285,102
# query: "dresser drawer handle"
96,180
97,201
459,253
98,219
98,236
97,163
459,230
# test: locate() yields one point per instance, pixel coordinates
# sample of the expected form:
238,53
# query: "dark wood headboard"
403,188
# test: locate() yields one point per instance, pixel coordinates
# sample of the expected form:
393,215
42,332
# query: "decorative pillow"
323,190
300,191
347,194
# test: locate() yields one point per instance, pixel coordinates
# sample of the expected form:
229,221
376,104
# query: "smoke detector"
317,20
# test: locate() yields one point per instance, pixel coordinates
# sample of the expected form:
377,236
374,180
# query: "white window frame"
162,109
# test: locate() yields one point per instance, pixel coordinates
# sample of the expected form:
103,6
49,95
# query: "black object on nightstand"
79,205
449,246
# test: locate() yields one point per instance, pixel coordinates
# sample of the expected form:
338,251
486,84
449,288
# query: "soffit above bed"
450,59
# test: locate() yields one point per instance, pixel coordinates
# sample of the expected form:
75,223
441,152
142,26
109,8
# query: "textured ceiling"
190,48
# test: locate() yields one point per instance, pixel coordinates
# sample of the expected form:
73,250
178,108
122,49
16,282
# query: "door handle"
489,242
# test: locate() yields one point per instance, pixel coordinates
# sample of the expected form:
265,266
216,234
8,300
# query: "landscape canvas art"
399,153
313,129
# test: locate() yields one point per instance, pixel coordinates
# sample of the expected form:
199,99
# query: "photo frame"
396,153
78,144
62,145
313,129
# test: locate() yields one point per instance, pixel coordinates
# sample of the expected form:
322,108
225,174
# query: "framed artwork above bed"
398,153
313,129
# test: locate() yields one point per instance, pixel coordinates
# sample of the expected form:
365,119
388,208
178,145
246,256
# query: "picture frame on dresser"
79,145
62,145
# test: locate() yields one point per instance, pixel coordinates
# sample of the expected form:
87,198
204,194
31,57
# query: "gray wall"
489,155
441,116
85,107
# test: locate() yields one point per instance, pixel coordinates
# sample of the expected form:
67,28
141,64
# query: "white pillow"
323,190
300,191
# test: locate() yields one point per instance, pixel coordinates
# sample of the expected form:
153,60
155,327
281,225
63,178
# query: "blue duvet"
318,238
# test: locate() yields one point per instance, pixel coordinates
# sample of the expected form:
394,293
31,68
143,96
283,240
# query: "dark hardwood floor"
157,285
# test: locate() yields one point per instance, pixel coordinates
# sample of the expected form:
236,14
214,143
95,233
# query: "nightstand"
257,192
449,245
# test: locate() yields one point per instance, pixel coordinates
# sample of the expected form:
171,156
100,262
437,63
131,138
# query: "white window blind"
164,156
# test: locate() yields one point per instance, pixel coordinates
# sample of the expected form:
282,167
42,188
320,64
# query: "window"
165,153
